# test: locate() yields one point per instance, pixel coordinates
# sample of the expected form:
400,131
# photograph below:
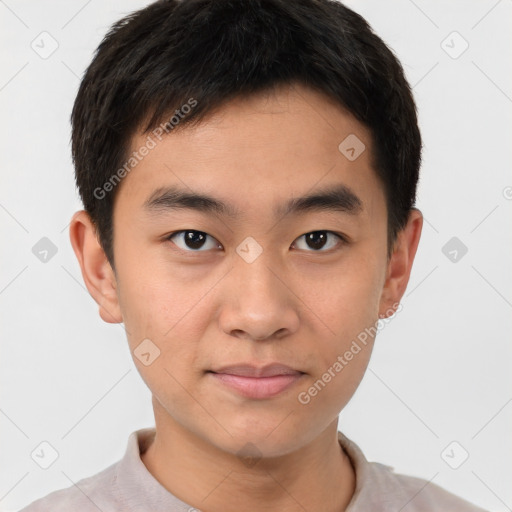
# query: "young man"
248,170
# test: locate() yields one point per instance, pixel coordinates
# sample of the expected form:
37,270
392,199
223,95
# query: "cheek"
341,365
346,300
346,304
153,302
162,317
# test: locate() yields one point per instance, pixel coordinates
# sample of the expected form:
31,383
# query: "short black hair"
205,53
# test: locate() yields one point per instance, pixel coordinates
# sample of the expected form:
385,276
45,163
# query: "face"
256,275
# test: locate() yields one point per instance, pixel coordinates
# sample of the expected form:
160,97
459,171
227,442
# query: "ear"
400,264
96,270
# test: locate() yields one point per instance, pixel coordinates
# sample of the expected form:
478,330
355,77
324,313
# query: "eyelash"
342,239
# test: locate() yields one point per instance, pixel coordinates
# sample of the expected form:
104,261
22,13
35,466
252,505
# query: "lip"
250,370
253,382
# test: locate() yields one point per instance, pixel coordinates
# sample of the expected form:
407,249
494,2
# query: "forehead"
259,149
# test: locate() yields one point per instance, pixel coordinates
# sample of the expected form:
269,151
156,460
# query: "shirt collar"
372,479
137,489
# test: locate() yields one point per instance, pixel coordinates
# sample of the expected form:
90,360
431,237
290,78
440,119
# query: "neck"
318,476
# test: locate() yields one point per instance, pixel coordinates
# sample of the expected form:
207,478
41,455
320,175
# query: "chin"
271,439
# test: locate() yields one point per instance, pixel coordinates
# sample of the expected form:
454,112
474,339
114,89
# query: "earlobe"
97,273
400,264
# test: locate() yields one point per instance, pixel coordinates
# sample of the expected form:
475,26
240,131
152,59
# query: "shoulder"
87,495
414,494
380,488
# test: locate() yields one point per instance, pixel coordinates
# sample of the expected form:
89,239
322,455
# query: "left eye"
318,240
193,240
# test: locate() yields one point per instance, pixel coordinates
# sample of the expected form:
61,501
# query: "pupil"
316,240
194,239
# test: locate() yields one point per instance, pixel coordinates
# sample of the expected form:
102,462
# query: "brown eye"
192,240
320,241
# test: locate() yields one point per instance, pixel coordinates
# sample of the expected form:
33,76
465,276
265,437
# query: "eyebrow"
334,198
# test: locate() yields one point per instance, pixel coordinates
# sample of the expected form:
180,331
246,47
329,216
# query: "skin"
294,304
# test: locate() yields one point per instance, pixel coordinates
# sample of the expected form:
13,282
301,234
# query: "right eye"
190,240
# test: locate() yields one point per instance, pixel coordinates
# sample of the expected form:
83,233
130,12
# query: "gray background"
441,368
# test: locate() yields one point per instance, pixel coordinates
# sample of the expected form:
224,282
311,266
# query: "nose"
259,301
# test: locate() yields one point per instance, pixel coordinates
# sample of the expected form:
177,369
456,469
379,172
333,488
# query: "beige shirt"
128,486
